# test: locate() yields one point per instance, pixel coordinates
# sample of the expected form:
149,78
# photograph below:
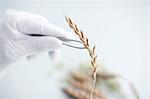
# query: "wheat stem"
91,51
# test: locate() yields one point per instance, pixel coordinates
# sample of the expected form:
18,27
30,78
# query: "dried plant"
78,82
90,49
78,87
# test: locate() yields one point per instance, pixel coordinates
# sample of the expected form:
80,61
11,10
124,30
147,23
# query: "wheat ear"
91,51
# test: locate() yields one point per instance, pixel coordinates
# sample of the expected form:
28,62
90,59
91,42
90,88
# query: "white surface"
108,1
148,49
117,28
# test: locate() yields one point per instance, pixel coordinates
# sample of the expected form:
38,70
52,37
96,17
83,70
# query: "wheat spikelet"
91,51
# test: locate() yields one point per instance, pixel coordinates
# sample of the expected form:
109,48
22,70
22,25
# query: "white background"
119,28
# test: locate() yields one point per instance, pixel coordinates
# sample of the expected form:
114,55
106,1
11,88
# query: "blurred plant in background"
107,85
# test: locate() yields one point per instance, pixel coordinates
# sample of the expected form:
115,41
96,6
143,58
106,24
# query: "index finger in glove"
29,23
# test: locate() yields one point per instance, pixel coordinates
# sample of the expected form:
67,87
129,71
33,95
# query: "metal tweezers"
65,41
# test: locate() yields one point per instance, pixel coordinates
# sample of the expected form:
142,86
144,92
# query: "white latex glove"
15,39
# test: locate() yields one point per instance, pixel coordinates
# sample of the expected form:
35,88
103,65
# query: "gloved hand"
16,41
